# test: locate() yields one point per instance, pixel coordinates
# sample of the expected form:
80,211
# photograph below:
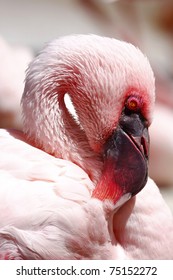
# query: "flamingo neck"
51,127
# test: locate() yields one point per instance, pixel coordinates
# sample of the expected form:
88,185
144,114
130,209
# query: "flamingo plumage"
68,186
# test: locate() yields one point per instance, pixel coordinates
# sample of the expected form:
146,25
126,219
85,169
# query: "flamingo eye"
133,103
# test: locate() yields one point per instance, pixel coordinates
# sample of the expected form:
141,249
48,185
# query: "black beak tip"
129,162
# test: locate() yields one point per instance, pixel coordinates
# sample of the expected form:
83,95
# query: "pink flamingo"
14,61
162,153
68,185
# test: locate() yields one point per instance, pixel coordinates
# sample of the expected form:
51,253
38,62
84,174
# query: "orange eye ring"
133,103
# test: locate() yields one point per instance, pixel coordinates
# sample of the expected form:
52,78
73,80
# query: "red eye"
133,103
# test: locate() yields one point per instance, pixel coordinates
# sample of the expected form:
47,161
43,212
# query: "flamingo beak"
125,168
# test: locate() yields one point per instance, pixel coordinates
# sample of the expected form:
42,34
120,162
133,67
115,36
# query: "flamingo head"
111,86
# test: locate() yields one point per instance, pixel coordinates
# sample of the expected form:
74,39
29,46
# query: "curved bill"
125,162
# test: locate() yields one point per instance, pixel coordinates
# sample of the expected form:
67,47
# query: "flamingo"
77,188
162,154
14,61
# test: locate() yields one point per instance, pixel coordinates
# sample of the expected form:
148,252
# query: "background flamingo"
52,208
14,61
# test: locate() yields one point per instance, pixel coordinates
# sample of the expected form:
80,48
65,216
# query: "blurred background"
25,26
